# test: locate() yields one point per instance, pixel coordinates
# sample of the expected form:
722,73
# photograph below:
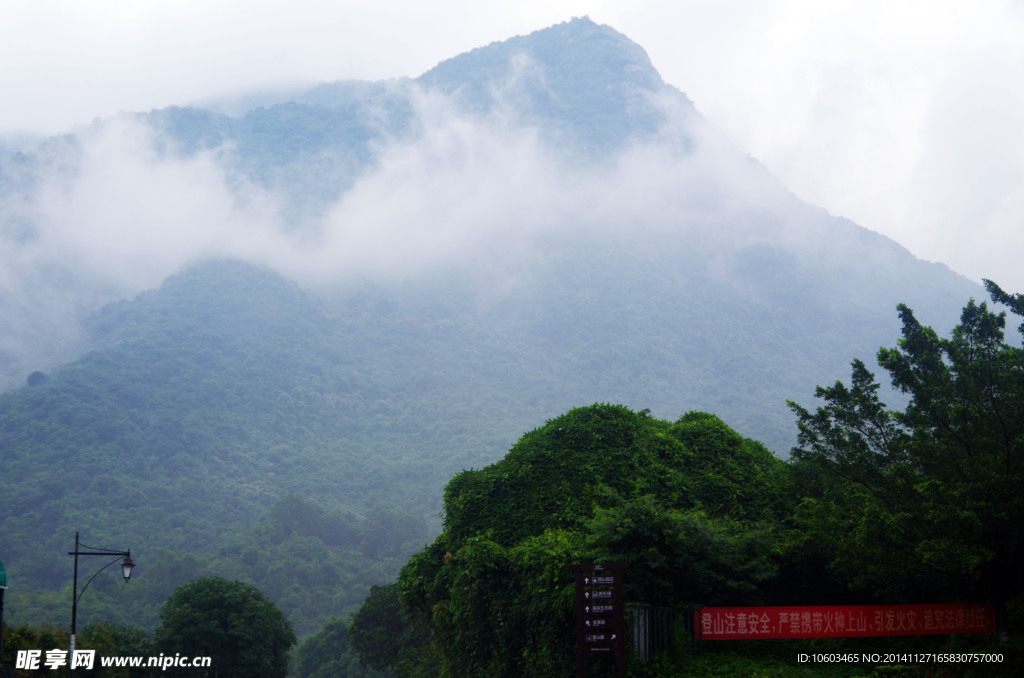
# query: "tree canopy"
878,504
327,654
233,623
925,501
691,502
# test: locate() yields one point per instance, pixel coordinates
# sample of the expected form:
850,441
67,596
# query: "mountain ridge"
361,299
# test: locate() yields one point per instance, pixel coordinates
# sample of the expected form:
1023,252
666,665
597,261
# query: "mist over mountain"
472,165
348,293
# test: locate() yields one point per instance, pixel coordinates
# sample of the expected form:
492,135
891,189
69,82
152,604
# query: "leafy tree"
692,503
111,640
20,637
377,630
679,555
927,501
233,623
328,654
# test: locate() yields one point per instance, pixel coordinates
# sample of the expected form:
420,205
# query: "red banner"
843,621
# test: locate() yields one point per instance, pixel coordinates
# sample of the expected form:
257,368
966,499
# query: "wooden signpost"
600,614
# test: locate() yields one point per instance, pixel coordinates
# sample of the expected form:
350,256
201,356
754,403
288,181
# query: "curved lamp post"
3,587
126,571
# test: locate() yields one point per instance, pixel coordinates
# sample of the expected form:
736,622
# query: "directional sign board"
600,607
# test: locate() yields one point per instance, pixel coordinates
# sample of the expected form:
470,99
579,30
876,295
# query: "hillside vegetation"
880,505
288,340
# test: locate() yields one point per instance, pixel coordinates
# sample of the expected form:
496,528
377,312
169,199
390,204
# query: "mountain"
256,339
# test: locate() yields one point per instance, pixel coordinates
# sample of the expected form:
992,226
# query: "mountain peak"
592,81
579,49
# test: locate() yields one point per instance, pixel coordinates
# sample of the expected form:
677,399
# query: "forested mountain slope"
258,339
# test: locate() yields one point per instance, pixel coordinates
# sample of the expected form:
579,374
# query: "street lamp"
126,571
3,587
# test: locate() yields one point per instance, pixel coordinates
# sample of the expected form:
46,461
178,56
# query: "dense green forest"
200,439
922,504
919,503
339,444
232,423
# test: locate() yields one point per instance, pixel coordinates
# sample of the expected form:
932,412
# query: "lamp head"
126,567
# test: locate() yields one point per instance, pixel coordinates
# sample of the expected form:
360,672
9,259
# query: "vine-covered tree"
691,503
926,501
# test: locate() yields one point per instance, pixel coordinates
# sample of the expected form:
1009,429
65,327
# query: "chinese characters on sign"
843,621
600,607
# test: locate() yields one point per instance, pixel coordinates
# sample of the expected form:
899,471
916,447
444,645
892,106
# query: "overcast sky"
907,117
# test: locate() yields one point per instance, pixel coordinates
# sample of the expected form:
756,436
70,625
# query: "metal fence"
653,629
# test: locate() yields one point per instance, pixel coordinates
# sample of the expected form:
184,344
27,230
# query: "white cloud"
903,117
131,217
469,192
